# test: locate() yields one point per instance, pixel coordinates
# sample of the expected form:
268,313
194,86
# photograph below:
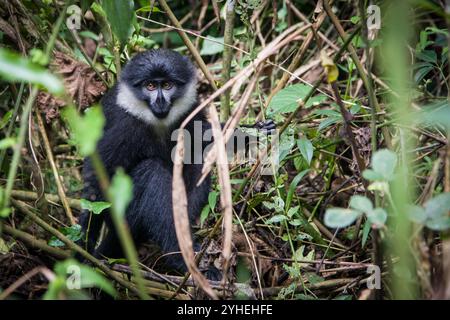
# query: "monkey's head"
158,86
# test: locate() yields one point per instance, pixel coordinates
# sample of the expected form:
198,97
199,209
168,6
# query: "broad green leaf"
361,203
438,206
306,148
416,214
377,217
120,16
121,192
288,99
87,130
371,175
87,277
437,114
384,162
95,207
340,217
14,67
438,224
212,47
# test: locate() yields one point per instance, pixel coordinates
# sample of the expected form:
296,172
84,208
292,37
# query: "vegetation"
356,207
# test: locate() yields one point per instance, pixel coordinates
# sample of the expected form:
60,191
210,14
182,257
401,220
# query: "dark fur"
145,155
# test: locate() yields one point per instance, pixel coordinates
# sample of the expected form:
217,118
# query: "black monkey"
155,93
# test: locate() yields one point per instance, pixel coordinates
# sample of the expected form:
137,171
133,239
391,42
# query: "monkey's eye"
151,86
167,85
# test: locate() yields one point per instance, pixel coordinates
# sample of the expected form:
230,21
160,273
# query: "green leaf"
72,233
355,19
87,130
361,203
384,162
7,143
293,186
381,186
427,56
292,211
421,73
204,214
5,119
371,175
148,9
340,217
287,100
14,68
5,212
306,148
416,214
438,224
365,233
277,219
87,276
377,217
212,199
94,207
438,206
121,192
120,16
210,48
437,114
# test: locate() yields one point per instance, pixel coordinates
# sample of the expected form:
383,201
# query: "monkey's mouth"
160,110
160,114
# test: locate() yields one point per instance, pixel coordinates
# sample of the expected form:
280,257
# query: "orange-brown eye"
167,85
151,86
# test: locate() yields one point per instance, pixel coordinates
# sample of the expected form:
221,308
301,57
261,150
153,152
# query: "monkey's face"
158,86
159,94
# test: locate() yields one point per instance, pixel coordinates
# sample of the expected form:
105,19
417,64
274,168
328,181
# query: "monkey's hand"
267,126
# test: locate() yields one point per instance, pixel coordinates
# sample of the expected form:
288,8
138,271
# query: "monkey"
155,92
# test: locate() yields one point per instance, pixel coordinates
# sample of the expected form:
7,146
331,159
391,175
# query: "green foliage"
14,68
94,207
384,162
73,233
210,48
71,277
7,143
341,218
87,130
212,200
434,213
120,192
288,99
4,212
306,149
120,16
